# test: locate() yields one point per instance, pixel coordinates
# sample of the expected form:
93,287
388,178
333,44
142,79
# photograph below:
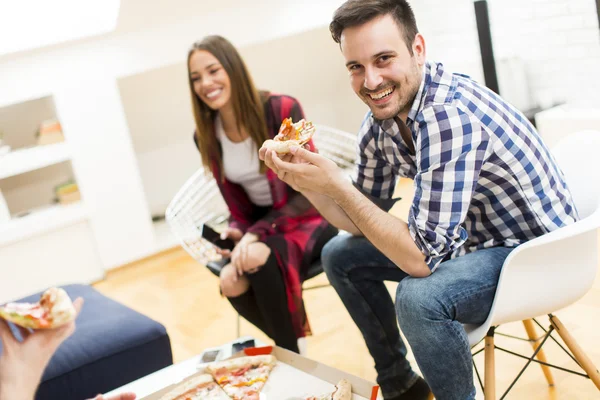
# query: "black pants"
265,303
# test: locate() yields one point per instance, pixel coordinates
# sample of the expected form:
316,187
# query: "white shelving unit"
29,159
43,243
41,221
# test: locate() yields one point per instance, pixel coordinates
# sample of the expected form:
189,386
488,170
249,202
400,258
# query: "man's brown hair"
357,12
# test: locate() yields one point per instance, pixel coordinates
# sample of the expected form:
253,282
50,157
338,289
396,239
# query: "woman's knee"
258,254
231,284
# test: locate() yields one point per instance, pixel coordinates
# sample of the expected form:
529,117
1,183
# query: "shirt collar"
417,103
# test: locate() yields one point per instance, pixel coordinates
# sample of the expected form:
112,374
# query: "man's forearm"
332,212
388,233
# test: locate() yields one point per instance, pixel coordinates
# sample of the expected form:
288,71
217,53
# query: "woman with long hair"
277,232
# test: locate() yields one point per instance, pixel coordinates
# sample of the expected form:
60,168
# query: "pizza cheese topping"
287,131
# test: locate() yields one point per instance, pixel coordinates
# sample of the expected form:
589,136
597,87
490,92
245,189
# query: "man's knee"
416,299
231,284
334,254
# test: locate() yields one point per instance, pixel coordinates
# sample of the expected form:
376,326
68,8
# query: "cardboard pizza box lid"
314,377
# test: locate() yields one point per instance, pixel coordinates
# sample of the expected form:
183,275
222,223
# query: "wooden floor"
175,290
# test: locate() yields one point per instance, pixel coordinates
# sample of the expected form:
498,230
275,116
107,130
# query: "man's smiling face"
384,72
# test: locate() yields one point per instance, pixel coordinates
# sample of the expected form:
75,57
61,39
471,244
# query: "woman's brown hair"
246,101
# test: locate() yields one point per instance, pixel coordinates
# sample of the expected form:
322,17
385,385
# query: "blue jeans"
430,312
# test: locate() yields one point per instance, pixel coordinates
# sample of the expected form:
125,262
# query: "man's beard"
402,100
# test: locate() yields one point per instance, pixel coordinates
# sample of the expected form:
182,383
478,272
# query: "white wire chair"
337,145
198,202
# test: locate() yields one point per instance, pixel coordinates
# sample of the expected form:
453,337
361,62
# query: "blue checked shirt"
483,177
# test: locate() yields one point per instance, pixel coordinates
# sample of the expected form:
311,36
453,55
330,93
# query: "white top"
241,166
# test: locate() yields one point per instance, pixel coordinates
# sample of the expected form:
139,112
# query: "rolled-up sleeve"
451,149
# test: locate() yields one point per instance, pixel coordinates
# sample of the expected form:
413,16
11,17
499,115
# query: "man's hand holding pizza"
307,171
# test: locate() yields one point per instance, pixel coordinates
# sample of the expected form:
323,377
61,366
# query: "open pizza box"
295,377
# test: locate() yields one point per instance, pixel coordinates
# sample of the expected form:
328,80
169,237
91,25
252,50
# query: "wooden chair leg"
532,334
489,387
579,354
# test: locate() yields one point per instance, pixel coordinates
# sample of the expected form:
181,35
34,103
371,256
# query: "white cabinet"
43,242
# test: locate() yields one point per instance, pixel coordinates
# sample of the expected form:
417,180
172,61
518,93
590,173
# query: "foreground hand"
23,362
309,171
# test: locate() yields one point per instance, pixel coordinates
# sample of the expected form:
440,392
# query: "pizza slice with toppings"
291,134
53,310
243,378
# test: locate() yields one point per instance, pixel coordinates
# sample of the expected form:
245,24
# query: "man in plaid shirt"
484,181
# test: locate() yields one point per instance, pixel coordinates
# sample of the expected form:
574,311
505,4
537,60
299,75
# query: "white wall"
556,41
165,170
450,32
158,110
559,42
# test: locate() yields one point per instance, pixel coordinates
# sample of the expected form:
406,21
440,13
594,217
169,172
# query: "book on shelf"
67,193
50,132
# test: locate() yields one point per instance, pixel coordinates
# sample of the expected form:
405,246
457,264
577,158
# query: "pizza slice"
243,378
291,134
343,391
202,387
53,310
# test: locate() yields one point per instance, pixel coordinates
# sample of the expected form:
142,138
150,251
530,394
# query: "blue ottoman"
112,346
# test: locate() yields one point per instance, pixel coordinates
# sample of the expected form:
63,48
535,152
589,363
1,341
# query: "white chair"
199,202
564,263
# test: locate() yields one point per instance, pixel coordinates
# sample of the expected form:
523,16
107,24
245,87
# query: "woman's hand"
243,256
233,234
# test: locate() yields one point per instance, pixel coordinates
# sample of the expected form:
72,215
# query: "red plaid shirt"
292,219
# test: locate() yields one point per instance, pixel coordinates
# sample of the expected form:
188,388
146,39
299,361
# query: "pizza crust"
281,147
241,362
343,390
191,384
